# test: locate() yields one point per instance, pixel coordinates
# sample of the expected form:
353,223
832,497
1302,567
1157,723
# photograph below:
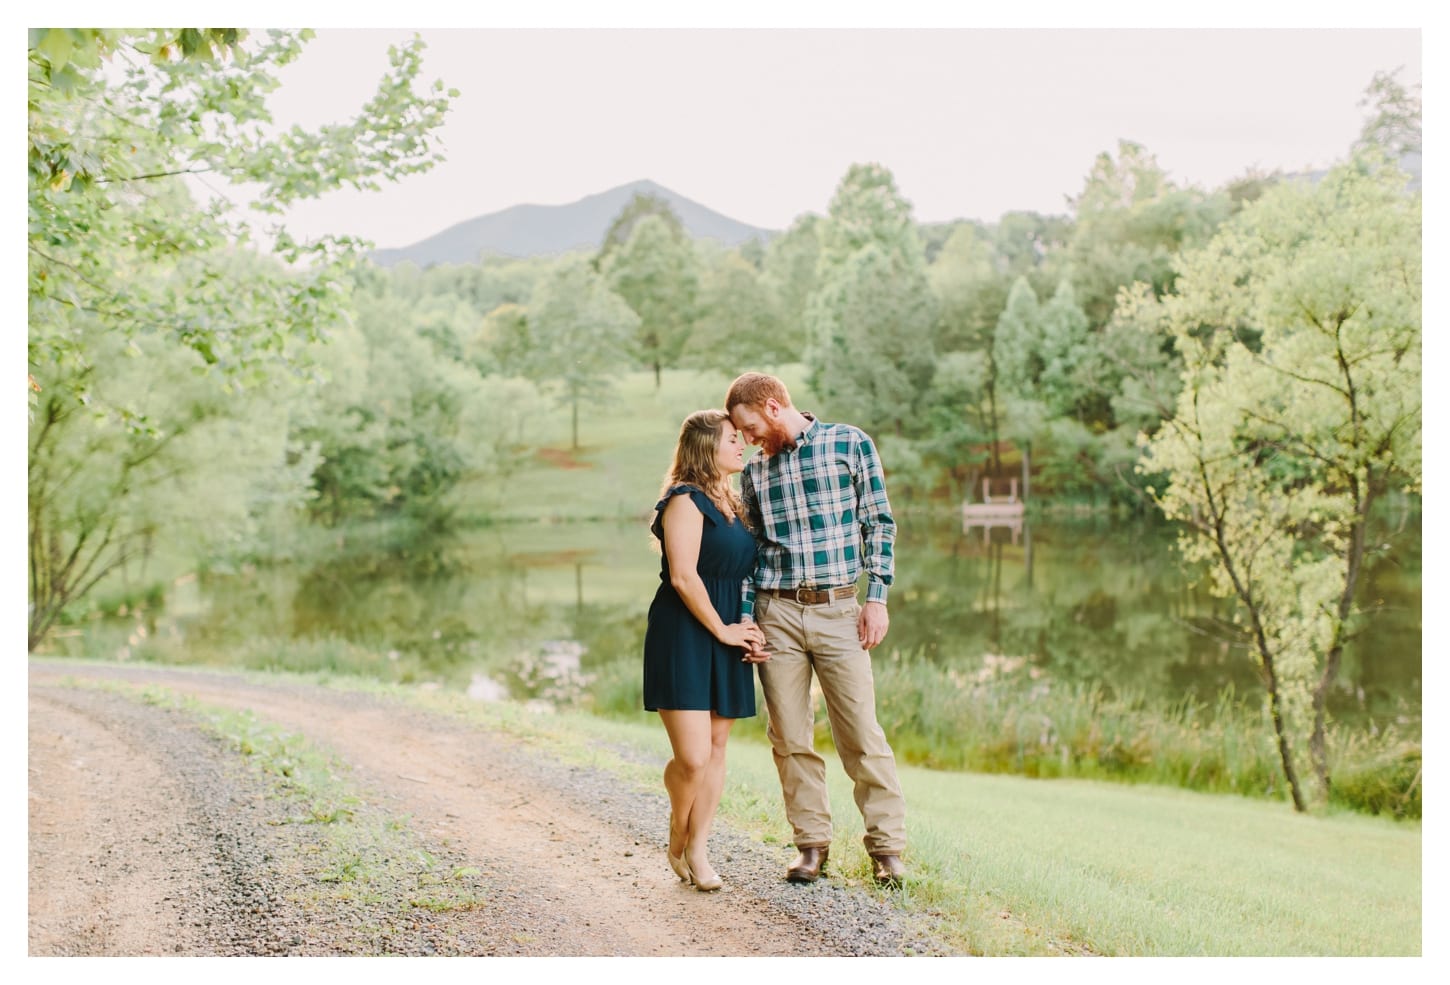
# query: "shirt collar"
805,431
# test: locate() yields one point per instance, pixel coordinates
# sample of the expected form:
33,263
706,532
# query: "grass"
1010,723
1011,866
623,452
1000,865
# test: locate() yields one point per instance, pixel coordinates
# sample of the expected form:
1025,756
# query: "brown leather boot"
808,864
887,870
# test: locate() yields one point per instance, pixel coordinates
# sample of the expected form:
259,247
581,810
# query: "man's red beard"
776,438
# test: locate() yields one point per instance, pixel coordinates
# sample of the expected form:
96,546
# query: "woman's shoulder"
697,495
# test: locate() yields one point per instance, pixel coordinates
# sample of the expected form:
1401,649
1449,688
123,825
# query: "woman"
697,652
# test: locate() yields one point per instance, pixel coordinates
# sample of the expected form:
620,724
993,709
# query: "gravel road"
150,834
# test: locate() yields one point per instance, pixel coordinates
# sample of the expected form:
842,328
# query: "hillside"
540,230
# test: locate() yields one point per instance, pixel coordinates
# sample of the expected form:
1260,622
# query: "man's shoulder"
838,431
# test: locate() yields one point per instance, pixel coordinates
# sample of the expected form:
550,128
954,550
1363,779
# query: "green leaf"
56,47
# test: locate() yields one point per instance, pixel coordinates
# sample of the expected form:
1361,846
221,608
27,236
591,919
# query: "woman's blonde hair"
696,461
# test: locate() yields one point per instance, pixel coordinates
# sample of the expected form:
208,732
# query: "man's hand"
871,627
755,651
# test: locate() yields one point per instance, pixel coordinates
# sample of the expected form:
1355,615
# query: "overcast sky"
761,124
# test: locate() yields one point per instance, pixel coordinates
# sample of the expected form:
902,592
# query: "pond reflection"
533,611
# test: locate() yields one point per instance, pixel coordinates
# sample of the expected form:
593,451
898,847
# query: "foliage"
133,282
872,316
739,324
642,206
1299,327
581,332
1130,221
789,272
656,273
1032,245
404,417
154,457
964,405
1395,125
117,116
503,343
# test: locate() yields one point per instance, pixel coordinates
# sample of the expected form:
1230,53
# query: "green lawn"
1008,866
624,448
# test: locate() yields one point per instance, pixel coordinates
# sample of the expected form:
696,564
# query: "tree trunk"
1214,525
1354,563
1281,731
992,427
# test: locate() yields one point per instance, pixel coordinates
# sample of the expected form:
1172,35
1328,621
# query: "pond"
501,610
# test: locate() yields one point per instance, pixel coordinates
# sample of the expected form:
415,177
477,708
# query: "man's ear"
772,408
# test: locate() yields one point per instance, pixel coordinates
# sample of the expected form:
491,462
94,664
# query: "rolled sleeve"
878,527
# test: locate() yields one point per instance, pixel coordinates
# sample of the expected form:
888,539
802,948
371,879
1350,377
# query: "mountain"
535,230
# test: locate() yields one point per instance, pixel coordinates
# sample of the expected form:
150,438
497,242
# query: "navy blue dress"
685,667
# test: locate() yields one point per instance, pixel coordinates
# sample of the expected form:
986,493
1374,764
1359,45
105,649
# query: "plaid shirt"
820,513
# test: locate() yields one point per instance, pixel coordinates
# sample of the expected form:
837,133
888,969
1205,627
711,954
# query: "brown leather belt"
810,596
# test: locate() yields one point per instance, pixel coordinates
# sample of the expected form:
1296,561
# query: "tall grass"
1006,720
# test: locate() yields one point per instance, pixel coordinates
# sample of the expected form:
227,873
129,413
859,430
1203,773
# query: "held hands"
750,637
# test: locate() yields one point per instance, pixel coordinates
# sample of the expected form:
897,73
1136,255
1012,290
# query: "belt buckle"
798,590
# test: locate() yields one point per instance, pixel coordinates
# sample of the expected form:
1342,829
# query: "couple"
768,578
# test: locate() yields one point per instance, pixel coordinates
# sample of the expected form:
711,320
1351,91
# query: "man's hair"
754,389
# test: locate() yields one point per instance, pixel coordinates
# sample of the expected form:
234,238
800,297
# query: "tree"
738,323
1395,124
641,206
1300,330
1130,221
655,272
116,116
187,467
788,272
503,341
1032,245
123,260
581,332
871,358
1018,358
389,424
1017,342
872,316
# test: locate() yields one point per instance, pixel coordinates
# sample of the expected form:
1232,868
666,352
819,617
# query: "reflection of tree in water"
608,633
409,595
1090,601
1099,603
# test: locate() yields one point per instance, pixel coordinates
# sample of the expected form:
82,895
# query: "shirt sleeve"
751,505
878,527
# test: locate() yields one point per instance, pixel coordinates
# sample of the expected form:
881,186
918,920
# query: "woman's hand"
750,637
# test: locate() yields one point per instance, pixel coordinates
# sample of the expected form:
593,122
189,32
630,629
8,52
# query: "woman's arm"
683,525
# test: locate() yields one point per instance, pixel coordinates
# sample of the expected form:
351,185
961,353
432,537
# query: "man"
816,498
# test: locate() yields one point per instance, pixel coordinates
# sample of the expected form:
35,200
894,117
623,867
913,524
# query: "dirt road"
149,836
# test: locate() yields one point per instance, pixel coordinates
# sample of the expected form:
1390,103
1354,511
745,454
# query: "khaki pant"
822,639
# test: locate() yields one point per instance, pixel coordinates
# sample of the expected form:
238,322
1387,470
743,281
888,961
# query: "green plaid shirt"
820,514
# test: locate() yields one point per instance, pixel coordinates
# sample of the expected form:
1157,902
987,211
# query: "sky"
761,124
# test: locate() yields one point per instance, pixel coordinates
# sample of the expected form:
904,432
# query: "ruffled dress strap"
702,502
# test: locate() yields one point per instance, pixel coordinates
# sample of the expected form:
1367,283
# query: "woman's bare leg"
687,771
707,801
